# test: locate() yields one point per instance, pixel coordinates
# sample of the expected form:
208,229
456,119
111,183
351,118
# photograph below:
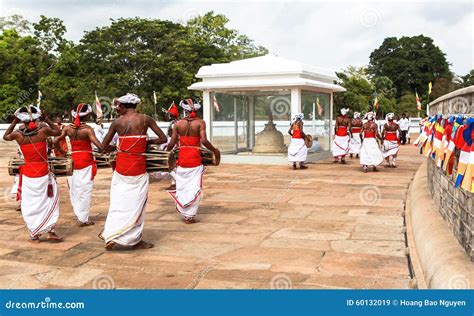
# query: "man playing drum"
340,145
191,133
38,187
81,182
129,188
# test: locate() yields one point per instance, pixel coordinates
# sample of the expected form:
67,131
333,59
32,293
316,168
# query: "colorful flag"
98,107
216,105
430,85
320,108
376,103
418,101
154,97
40,97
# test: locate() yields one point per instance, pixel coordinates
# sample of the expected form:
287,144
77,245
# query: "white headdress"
129,98
356,114
299,116
189,105
389,116
28,116
79,110
370,116
344,111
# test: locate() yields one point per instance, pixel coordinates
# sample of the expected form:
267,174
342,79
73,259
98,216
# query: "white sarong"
126,217
80,191
297,151
390,148
355,144
370,154
340,145
188,192
40,212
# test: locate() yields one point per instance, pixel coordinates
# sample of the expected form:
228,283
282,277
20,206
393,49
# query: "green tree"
50,32
410,62
468,80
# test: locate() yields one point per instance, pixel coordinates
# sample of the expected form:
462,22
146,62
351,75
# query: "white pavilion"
240,97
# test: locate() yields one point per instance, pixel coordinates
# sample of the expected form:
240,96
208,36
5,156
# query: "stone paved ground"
330,226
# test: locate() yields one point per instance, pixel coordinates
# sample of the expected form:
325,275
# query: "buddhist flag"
98,107
215,104
430,86
40,97
418,101
376,103
154,97
320,108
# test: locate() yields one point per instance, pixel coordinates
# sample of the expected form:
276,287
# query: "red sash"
189,152
82,156
356,130
36,157
130,158
369,134
341,131
391,136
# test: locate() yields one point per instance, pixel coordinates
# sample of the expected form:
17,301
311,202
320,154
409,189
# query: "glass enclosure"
315,106
237,117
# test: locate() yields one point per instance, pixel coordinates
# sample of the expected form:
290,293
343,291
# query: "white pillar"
295,102
207,112
331,113
251,121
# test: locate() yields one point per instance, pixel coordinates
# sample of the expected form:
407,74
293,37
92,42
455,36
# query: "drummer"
190,132
129,188
38,187
81,182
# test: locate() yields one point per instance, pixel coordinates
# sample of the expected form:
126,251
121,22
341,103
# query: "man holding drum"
129,188
38,187
191,134
81,182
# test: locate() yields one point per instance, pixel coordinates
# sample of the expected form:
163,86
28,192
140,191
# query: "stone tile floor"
330,226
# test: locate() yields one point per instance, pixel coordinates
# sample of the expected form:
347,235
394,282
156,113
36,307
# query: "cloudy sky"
327,34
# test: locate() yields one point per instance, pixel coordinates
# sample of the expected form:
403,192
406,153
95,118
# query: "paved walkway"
330,226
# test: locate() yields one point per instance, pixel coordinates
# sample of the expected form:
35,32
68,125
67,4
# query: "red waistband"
36,157
369,134
391,136
130,161
341,131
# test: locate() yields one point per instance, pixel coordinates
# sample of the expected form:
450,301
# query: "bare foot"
335,161
88,223
364,169
343,162
191,221
35,240
113,246
303,167
375,169
143,245
294,166
52,237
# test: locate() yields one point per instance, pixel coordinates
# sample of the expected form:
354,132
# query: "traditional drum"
61,167
208,158
159,160
102,159
308,141
156,159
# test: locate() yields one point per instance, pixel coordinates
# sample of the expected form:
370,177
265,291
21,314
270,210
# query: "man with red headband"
81,182
173,115
38,188
190,132
340,144
370,154
391,140
129,188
